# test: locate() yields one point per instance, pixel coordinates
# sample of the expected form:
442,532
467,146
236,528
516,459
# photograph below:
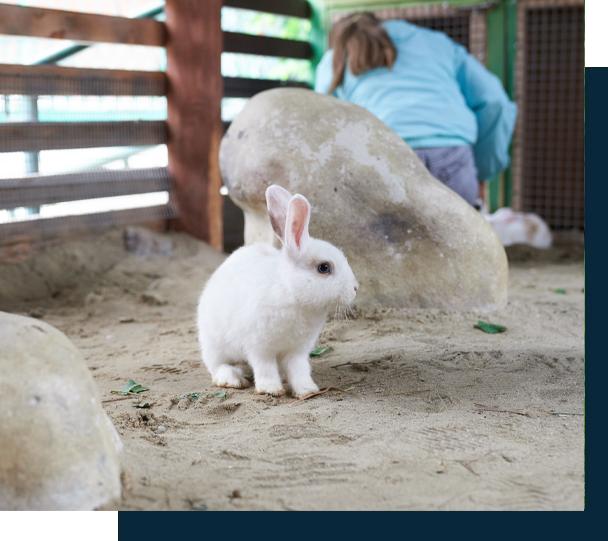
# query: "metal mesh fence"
455,26
466,26
549,149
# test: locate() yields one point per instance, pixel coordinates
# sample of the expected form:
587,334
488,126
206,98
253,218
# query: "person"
445,104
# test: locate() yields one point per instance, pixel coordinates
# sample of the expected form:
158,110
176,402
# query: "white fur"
266,306
520,228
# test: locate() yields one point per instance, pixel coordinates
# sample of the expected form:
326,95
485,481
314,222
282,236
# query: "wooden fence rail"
242,87
291,8
29,136
40,190
235,42
62,81
48,228
88,27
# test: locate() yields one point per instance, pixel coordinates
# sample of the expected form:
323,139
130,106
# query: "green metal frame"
319,30
501,51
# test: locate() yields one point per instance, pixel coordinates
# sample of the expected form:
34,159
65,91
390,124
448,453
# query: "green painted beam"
319,30
511,52
496,61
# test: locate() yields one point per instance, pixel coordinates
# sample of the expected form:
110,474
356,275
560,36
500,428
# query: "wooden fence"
193,85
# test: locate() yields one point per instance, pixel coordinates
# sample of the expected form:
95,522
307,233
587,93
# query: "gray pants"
455,167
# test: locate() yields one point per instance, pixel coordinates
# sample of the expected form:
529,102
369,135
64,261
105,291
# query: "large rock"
410,240
58,449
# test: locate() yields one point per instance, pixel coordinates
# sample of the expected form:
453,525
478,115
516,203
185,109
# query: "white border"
59,525
596,37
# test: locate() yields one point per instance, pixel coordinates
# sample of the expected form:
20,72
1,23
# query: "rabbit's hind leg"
228,375
224,374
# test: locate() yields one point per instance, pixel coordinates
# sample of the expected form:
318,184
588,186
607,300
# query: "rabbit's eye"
324,268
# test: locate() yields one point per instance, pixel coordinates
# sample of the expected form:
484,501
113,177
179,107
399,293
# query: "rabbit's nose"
356,288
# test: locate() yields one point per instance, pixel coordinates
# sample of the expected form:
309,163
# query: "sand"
424,410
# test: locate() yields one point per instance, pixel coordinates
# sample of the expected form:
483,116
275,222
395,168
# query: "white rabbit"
267,306
520,228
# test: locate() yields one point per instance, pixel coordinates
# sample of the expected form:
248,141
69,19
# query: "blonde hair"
360,41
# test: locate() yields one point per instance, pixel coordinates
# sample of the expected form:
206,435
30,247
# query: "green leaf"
490,328
220,394
320,350
193,396
560,291
131,387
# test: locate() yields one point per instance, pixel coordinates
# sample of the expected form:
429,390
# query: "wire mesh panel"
455,26
466,25
549,150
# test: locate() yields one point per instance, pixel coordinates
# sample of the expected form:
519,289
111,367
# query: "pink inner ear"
277,199
299,220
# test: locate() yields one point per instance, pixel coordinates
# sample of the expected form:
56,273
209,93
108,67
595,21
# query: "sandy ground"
425,412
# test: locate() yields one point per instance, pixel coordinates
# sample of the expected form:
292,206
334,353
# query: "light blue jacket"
435,95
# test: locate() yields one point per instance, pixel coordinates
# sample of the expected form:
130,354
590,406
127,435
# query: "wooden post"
194,50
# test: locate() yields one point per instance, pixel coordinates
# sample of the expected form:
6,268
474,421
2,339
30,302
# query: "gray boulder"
411,241
58,448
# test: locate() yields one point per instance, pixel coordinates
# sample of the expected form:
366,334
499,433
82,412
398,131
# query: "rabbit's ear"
296,229
277,199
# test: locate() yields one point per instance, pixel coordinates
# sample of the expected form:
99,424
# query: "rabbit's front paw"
300,389
269,387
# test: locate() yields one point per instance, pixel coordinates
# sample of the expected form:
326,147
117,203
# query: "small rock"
442,468
235,494
37,313
126,320
144,242
359,368
198,506
161,429
153,299
142,404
